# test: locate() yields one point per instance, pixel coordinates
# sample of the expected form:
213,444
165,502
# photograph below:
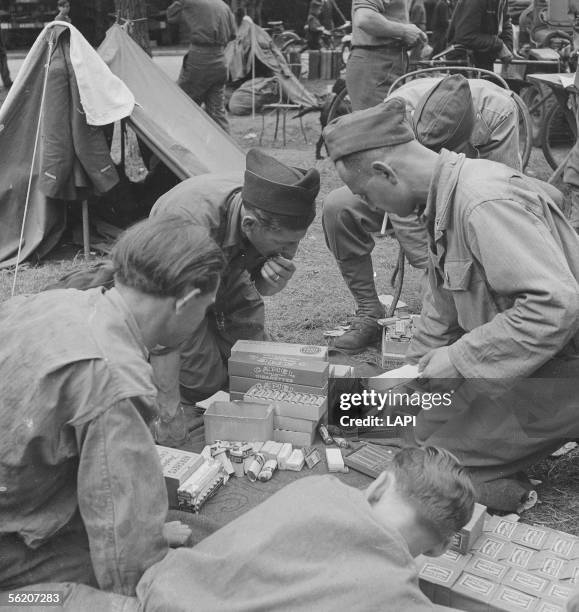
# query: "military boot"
364,330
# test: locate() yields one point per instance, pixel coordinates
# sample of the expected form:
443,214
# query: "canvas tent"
254,44
180,134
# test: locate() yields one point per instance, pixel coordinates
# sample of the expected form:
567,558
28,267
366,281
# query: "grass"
317,298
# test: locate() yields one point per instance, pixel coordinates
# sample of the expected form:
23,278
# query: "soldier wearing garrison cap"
474,117
258,220
499,325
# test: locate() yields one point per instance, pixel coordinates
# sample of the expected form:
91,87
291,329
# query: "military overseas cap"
383,125
276,188
445,115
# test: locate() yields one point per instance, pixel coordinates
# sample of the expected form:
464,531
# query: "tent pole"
253,45
33,162
85,230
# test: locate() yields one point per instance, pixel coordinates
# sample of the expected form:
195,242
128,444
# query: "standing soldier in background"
381,34
203,75
4,72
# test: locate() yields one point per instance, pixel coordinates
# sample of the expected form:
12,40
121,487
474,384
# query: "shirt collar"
234,237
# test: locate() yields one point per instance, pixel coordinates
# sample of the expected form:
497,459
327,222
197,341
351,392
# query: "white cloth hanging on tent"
104,97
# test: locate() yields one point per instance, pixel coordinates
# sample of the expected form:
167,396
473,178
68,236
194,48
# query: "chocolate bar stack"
510,567
293,378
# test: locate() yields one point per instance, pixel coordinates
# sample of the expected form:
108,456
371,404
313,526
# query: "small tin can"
327,439
267,470
255,467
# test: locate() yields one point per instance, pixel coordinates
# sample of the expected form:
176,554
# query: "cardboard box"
313,410
293,424
507,599
531,536
525,581
296,438
238,421
294,370
500,527
177,467
487,568
470,533
308,351
240,384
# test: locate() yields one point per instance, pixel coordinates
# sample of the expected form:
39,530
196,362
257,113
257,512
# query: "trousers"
203,77
370,72
349,223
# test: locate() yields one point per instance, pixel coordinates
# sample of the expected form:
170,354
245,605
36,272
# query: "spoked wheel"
558,137
525,130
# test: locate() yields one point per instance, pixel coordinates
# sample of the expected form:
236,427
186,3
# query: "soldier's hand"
277,271
505,54
437,364
413,35
176,533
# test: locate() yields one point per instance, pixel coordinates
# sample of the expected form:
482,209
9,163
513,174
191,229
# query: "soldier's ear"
385,170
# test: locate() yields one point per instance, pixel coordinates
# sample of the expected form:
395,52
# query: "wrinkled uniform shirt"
75,387
393,10
314,545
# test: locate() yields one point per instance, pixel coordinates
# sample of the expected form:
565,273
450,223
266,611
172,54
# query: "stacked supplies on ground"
191,479
292,378
509,566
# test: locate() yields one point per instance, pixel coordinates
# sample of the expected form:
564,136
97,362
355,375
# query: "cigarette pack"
296,461
500,527
563,545
271,449
294,405
338,370
201,485
471,592
335,460
548,565
284,454
297,438
312,456
177,466
241,384
526,581
548,606
557,593
531,536
469,534
508,599
309,351
486,568
293,424
278,368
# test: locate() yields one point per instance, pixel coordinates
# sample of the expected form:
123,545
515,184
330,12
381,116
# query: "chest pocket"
457,275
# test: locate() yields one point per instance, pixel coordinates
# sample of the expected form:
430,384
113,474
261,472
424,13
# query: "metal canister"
267,470
255,467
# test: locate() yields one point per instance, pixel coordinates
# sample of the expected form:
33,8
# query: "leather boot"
364,331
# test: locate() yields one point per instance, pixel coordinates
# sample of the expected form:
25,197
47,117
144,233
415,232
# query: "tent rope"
41,109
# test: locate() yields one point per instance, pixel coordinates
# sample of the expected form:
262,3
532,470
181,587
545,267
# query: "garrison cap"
445,116
279,189
383,125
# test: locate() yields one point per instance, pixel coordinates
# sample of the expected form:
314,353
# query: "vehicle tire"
341,105
538,110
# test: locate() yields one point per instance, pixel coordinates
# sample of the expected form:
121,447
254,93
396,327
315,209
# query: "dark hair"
277,222
167,256
61,3
434,483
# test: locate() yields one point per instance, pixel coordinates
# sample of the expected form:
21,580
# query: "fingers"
423,365
277,269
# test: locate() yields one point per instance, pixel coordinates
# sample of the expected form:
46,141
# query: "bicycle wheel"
539,101
284,38
525,130
557,137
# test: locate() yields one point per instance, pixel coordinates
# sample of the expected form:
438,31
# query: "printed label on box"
511,599
487,569
527,582
518,556
531,536
490,547
474,585
437,573
558,592
500,527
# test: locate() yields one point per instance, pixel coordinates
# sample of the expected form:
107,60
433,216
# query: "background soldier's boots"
364,330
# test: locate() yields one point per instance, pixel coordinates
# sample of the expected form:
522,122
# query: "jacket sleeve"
174,11
529,269
122,496
466,25
438,323
507,33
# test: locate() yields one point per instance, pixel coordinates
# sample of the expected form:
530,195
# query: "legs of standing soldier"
203,77
369,75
